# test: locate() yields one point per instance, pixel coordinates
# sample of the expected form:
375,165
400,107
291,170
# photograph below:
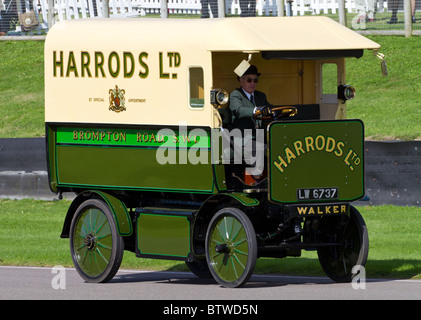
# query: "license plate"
317,194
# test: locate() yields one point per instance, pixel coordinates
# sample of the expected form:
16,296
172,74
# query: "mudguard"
118,208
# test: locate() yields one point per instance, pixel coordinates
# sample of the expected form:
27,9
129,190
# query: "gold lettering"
280,164
339,151
289,154
114,72
128,56
302,210
343,208
99,64
298,145
143,64
71,65
58,63
309,143
346,160
320,142
162,74
330,144
75,135
85,61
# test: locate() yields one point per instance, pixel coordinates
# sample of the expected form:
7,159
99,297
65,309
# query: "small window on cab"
197,94
330,78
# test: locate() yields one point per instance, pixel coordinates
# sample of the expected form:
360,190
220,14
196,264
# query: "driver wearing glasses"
246,100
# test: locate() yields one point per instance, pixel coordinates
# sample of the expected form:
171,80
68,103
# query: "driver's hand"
265,110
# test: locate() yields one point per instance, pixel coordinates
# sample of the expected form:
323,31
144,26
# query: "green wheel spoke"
241,252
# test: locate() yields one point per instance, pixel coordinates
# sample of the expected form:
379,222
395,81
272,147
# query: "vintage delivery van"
139,126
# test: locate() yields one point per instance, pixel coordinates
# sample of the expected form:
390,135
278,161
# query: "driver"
246,100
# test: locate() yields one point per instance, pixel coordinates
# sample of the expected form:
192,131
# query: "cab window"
329,74
197,98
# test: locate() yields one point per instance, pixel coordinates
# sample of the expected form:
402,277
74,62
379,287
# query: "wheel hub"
220,248
90,241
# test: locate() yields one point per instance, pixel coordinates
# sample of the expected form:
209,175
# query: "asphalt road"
30,283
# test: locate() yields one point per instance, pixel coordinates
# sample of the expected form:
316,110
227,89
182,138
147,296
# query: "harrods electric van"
137,118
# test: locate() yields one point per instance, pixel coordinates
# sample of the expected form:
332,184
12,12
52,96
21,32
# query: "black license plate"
317,194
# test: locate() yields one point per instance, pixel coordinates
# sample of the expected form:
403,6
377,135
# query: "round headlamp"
346,92
219,97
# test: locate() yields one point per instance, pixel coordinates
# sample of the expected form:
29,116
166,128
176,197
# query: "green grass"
30,235
21,89
389,106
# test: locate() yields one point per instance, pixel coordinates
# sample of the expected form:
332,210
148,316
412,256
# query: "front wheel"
338,262
95,245
231,247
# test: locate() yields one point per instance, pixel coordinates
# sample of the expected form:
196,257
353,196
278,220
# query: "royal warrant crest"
117,99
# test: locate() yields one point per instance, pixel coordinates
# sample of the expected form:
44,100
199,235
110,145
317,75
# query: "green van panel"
163,235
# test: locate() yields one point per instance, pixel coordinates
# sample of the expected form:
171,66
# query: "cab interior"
309,83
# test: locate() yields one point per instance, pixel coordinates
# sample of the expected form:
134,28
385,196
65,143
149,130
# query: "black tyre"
95,245
231,247
338,262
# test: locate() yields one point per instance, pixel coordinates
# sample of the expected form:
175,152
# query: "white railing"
78,9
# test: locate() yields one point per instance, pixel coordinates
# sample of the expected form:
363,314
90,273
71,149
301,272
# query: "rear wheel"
231,247
95,245
338,262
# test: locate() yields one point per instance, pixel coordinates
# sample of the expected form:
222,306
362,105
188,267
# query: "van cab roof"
309,33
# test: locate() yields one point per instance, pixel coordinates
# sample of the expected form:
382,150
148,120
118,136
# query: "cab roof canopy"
276,34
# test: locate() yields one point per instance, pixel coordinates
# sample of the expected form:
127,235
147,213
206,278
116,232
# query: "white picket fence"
79,9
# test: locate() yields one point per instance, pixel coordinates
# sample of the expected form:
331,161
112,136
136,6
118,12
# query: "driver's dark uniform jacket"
242,108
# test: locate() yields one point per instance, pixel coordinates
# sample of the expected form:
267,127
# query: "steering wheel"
277,112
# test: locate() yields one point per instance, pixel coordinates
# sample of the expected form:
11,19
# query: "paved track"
38,283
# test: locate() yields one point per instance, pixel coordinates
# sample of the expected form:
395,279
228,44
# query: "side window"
197,96
329,83
330,76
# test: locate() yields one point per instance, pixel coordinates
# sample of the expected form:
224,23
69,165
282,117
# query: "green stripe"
198,138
